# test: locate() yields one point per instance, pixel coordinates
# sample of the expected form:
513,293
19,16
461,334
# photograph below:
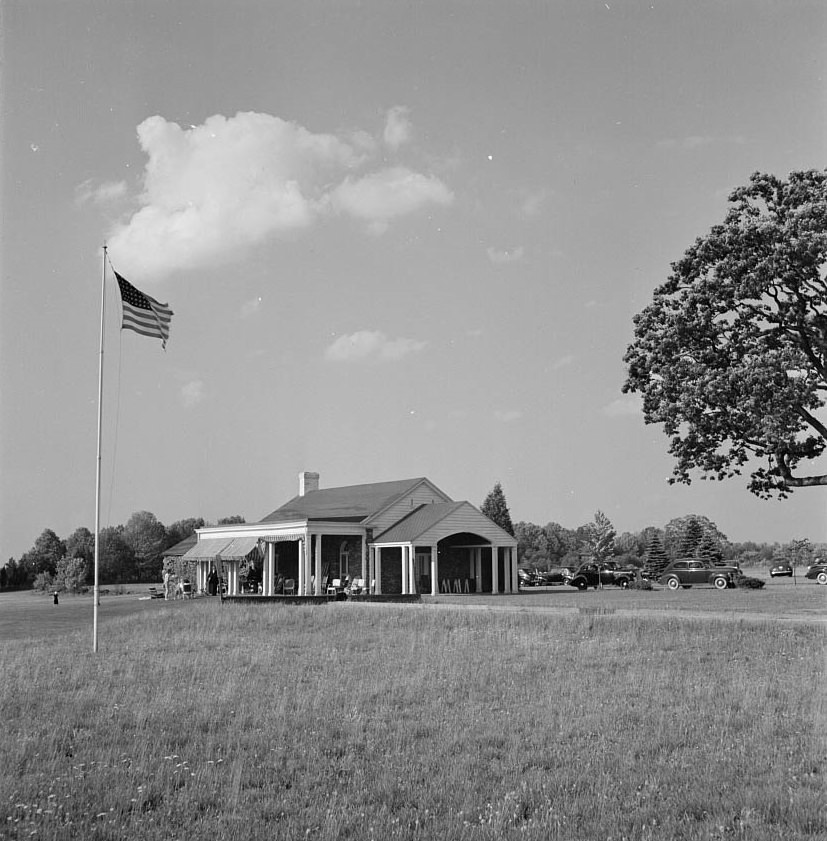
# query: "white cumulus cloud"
397,127
381,196
211,190
371,345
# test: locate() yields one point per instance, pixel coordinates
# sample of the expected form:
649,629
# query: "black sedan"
781,569
817,571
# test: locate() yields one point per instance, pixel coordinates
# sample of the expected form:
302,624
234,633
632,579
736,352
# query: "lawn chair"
334,587
290,587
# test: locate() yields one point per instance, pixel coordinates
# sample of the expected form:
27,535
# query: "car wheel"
673,583
624,583
720,582
582,584
822,578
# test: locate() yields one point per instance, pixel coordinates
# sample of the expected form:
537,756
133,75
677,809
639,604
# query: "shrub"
748,582
640,583
43,581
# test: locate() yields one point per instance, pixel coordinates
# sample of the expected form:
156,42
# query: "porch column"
478,569
507,569
515,581
300,591
434,571
404,553
371,568
270,570
365,565
318,589
378,565
413,584
495,572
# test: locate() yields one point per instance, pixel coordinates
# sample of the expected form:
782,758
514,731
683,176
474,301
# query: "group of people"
175,588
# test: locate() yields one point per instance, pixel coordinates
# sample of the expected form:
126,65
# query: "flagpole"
96,591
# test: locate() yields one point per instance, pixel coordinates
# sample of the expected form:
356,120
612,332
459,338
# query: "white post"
365,566
300,591
318,565
413,584
515,581
378,564
405,569
495,572
478,569
434,571
270,589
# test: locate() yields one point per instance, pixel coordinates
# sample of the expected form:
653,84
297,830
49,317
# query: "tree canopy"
496,508
731,355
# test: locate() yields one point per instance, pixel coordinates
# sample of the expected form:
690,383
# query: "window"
344,559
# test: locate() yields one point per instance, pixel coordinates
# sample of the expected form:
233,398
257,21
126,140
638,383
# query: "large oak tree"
731,355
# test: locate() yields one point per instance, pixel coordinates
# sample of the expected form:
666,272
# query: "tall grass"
353,721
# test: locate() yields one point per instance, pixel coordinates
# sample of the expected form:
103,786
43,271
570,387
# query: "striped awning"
284,537
207,549
238,548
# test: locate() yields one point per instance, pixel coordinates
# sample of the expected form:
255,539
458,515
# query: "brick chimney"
308,482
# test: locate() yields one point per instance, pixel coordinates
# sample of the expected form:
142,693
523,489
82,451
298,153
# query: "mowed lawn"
197,719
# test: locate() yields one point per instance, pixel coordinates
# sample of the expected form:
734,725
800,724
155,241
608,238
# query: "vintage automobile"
688,571
781,569
593,575
818,571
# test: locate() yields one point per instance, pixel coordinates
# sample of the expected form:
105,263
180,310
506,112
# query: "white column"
515,581
318,565
378,564
413,584
478,569
405,569
507,569
434,571
495,572
270,570
371,568
365,565
300,590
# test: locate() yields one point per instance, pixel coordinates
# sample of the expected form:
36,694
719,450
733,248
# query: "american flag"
143,314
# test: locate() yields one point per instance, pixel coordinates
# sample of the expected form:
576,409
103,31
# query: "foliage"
731,355
799,552
182,529
43,581
116,558
600,539
48,549
71,574
640,584
656,558
146,536
496,508
682,535
233,519
748,582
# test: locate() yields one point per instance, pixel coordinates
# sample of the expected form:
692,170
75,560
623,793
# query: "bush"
43,581
749,583
641,584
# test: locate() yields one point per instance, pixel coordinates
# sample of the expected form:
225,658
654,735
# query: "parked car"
818,571
688,571
593,575
781,569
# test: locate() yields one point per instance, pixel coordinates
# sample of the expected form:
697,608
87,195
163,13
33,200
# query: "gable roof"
181,547
352,503
432,522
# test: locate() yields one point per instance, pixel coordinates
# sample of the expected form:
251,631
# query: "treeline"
127,554
553,545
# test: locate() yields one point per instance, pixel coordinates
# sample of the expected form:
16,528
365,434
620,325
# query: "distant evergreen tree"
655,559
691,537
496,508
709,549
600,541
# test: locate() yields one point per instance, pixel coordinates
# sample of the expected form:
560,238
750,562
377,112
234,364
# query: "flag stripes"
142,313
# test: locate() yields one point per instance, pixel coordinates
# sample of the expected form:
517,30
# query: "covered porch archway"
444,547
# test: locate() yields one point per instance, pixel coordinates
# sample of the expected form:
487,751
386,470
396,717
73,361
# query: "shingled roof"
352,503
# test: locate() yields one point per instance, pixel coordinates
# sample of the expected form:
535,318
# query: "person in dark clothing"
212,582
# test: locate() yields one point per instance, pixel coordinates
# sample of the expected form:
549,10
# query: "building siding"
421,495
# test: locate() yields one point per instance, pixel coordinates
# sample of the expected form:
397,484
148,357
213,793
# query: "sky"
399,240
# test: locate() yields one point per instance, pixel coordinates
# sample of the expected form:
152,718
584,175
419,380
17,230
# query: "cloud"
193,393
371,345
623,406
212,190
106,192
384,195
500,256
397,127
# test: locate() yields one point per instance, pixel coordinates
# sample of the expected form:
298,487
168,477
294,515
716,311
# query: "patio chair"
334,587
289,587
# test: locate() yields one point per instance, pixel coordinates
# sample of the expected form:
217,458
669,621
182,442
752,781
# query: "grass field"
564,717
